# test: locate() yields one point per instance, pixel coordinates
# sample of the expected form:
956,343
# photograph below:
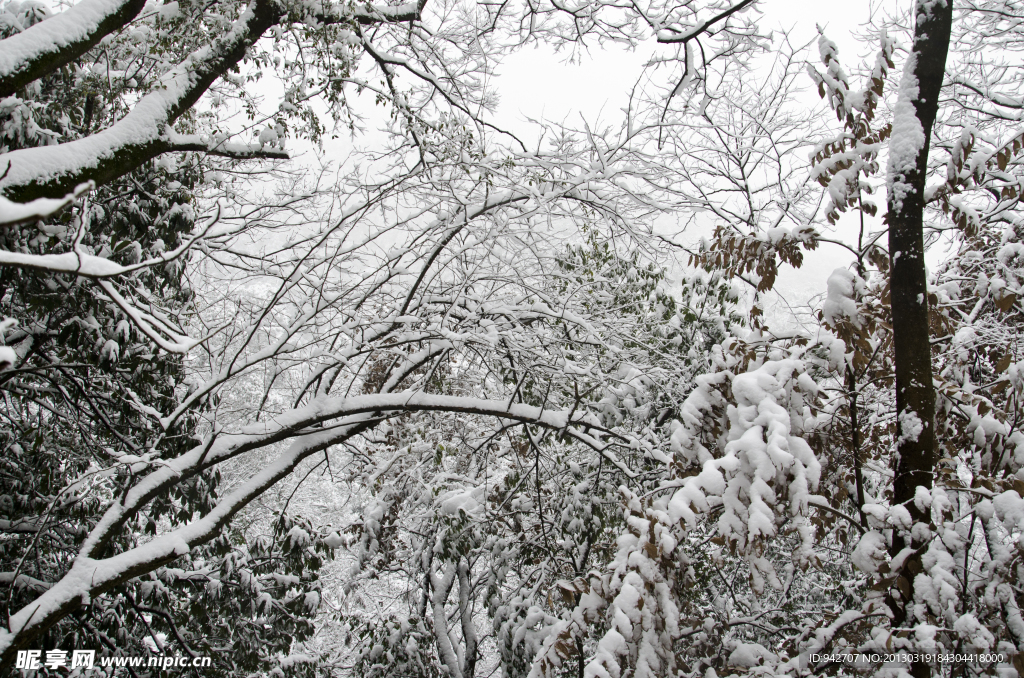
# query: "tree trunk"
858,472
915,393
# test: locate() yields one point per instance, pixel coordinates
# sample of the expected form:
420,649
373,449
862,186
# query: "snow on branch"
89,577
236,151
48,45
80,262
145,132
13,213
366,15
158,328
995,97
350,411
671,35
142,134
373,14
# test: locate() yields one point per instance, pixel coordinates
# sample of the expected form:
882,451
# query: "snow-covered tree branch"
463,402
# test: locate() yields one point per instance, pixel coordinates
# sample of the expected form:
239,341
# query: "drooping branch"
321,411
158,329
90,577
79,262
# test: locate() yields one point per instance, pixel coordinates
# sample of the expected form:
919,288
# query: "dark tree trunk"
855,442
915,393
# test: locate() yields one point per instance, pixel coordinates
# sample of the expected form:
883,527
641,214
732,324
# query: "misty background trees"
460,402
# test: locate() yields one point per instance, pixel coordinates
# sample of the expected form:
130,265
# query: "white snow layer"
68,27
907,138
841,300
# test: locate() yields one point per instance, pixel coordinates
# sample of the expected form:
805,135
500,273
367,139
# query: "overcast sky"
537,83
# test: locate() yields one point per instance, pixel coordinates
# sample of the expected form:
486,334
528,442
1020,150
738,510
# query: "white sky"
538,83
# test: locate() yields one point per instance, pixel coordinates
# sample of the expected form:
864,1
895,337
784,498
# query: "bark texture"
915,392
